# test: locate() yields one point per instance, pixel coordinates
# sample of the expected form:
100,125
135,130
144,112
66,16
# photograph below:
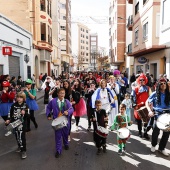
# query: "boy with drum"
20,111
100,118
122,121
60,107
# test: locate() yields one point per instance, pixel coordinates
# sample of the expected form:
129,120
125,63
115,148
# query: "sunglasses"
162,83
142,80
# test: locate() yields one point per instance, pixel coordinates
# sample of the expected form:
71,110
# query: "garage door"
14,66
1,69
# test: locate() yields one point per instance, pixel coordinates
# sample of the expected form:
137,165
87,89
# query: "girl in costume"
78,102
31,102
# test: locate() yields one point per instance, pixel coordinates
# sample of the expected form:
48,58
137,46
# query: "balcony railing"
129,48
130,23
45,55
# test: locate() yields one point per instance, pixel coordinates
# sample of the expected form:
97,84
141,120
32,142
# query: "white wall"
21,42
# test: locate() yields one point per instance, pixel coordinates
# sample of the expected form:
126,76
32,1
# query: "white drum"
123,133
14,124
59,122
163,122
101,131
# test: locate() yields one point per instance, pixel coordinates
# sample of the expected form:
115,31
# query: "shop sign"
142,60
7,50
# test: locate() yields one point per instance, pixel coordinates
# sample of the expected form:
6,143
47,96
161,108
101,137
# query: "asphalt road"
82,152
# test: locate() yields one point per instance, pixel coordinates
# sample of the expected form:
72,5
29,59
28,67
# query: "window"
42,5
87,31
49,35
43,32
145,31
63,28
87,37
87,60
136,37
87,54
86,48
86,42
144,1
63,6
93,38
49,7
136,8
165,12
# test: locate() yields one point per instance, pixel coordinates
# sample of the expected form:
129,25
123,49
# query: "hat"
5,84
162,80
142,76
165,75
28,81
116,72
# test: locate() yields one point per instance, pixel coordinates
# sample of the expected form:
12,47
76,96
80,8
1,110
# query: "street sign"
7,50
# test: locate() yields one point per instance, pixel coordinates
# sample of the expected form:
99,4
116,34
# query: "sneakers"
124,149
89,128
99,151
23,155
8,133
140,134
66,147
57,154
146,136
153,149
120,152
77,128
104,149
18,150
164,152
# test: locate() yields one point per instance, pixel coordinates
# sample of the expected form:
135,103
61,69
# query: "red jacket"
7,97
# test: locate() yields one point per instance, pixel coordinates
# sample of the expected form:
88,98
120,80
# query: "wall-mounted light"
26,58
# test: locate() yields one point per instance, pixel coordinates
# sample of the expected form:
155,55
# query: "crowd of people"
101,96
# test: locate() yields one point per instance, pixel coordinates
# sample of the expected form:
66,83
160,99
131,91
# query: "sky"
94,14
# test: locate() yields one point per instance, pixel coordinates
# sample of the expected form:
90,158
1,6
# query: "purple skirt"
5,108
32,104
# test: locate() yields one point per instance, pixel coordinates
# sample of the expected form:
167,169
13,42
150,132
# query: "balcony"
56,62
130,1
130,23
43,45
45,56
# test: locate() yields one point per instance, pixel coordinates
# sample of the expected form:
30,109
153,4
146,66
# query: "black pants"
89,111
77,120
70,125
139,123
164,138
100,141
21,139
31,117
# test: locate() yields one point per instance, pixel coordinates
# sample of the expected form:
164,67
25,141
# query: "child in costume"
60,107
19,111
121,120
99,118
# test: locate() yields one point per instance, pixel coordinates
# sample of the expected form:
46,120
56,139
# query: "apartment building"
65,33
81,45
164,38
149,54
117,33
36,17
93,51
